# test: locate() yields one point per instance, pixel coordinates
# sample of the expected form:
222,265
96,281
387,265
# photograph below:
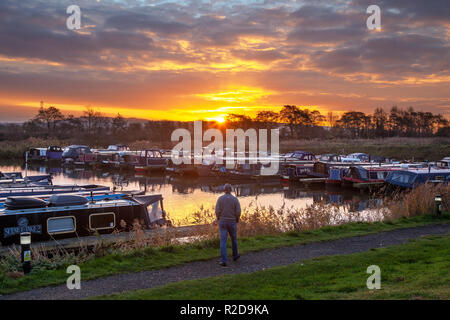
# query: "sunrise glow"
125,60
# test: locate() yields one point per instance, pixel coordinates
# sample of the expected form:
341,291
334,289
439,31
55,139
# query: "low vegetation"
260,228
15,150
416,270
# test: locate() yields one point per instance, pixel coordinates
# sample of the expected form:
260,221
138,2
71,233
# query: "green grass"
163,257
416,270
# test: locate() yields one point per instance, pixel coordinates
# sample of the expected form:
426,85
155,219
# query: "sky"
190,60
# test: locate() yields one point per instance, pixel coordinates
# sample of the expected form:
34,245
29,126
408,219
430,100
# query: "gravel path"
249,262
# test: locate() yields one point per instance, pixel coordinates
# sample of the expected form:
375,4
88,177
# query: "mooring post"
438,200
25,243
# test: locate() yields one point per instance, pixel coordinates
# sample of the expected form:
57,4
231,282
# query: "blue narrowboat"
412,178
52,153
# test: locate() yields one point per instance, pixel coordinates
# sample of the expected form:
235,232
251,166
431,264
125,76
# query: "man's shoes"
237,257
223,264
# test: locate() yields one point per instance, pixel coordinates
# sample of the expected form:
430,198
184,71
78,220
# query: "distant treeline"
94,128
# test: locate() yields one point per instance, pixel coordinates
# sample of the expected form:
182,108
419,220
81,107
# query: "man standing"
228,212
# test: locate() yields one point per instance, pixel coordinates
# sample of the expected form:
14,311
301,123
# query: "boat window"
158,154
100,221
61,225
150,154
363,174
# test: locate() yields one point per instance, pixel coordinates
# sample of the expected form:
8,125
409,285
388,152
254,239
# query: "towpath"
250,262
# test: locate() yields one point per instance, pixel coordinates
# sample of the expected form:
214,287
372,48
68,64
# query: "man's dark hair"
227,188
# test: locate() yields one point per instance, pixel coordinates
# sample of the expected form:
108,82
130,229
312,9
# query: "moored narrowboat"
51,153
295,171
336,175
150,160
71,215
367,176
411,178
54,153
10,175
248,171
298,157
78,155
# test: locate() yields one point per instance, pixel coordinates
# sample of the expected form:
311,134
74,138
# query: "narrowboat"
336,175
321,169
36,155
188,169
295,171
444,163
28,181
296,165
298,157
10,175
54,153
51,153
78,155
113,156
367,176
150,160
109,160
359,157
129,161
411,178
247,171
72,215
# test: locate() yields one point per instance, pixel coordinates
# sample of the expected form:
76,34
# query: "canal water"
183,195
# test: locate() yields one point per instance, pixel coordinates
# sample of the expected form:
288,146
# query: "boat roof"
357,154
77,146
424,171
90,205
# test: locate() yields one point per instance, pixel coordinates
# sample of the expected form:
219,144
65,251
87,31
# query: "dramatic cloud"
160,59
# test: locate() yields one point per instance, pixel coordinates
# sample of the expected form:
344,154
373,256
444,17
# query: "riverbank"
422,149
160,257
415,270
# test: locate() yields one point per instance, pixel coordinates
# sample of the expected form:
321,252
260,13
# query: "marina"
114,181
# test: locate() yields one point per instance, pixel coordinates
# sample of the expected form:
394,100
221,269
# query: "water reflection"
183,195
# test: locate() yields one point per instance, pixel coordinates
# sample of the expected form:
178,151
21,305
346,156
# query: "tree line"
95,128
305,123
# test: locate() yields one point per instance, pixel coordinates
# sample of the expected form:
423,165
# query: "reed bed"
13,150
255,221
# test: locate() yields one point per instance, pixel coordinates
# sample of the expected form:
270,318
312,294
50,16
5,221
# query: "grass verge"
416,270
167,256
